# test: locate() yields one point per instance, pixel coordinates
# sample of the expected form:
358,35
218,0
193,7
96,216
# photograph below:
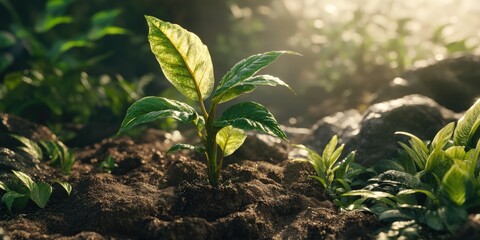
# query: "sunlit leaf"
229,139
455,185
225,93
251,116
183,57
438,163
369,194
150,109
98,33
40,193
467,125
442,137
315,160
65,185
25,179
182,146
30,147
4,186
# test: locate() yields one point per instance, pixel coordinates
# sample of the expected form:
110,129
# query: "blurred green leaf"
50,22
6,39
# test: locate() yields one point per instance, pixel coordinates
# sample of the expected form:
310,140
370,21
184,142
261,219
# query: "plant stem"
211,147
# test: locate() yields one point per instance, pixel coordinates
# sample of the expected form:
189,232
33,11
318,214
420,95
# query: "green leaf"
455,185
226,92
369,194
427,193
315,160
442,137
50,22
467,125
438,163
150,109
183,57
251,116
344,165
25,179
395,215
414,140
40,193
182,146
96,33
6,39
30,147
9,198
418,151
4,186
229,139
65,185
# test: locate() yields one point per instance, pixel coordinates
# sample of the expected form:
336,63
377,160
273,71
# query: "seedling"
55,152
108,164
23,188
186,63
331,173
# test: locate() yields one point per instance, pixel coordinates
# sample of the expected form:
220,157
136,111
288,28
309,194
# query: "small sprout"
330,172
54,152
108,164
187,65
23,188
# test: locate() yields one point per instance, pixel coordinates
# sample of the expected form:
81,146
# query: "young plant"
436,184
23,188
54,151
108,164
186,63
335,176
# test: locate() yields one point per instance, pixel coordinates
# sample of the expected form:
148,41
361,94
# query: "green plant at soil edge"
334,175
54,152
435,185
186,63
23,188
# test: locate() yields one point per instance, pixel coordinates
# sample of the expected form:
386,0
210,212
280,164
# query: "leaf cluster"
48,82
335,175
22,189
435,184
187,65
54,152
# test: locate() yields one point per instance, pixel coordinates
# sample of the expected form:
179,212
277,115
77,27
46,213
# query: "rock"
415,114
372,134
10,124
451,82
343,124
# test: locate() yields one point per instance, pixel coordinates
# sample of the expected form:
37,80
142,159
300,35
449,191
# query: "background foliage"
349,48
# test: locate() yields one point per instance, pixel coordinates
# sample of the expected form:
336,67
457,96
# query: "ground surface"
153,196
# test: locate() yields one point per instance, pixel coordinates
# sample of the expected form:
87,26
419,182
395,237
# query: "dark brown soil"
153,196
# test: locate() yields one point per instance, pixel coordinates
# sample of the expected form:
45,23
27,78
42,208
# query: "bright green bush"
434,185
